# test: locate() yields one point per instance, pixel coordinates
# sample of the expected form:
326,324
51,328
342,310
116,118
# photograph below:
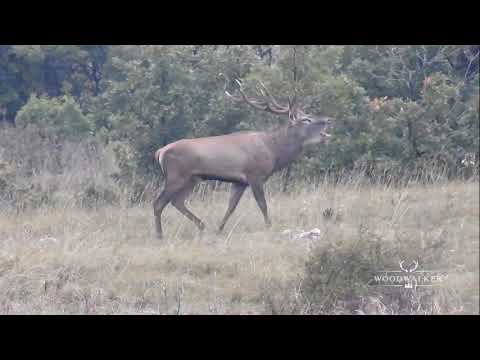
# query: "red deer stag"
246,158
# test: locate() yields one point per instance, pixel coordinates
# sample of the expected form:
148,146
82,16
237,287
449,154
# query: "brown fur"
246,158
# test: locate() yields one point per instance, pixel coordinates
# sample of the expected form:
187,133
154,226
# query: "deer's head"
312,129
308,128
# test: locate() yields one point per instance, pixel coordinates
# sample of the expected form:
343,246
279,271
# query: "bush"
59,116
339,278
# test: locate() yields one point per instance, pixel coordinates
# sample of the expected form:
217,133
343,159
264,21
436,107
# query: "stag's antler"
271,106
264,91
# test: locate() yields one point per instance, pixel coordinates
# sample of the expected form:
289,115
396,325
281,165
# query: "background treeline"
89,117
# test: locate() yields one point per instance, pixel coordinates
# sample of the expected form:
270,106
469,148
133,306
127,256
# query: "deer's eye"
306,121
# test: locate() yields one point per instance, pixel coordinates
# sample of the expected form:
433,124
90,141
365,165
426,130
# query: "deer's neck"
286,146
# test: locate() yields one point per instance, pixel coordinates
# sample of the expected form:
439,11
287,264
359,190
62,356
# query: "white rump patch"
160,159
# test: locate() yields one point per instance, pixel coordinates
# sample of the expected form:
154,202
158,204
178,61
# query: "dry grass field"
106,260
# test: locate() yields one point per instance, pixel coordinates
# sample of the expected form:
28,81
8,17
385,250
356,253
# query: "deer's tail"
160,157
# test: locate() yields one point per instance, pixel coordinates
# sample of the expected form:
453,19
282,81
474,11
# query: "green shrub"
339,278
60,116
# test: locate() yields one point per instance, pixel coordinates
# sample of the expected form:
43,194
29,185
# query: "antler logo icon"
412,269
411,279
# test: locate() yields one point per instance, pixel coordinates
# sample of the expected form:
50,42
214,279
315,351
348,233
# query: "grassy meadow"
107,260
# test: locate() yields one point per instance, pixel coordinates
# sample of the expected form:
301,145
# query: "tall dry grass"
106,260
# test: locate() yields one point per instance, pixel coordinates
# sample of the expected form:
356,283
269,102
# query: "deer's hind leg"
174,190
158,206
178,201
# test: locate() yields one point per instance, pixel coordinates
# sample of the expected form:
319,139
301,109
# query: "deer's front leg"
236,193
259,194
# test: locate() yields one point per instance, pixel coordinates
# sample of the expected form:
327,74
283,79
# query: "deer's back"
235,156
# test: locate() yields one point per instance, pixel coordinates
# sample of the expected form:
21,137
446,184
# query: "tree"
52,70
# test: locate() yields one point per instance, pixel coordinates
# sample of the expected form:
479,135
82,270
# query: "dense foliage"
397,106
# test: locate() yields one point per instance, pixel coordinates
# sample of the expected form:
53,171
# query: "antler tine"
293,103
272,105
254,103
264,91
260,90
235,98
294,97
258,104
226,85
